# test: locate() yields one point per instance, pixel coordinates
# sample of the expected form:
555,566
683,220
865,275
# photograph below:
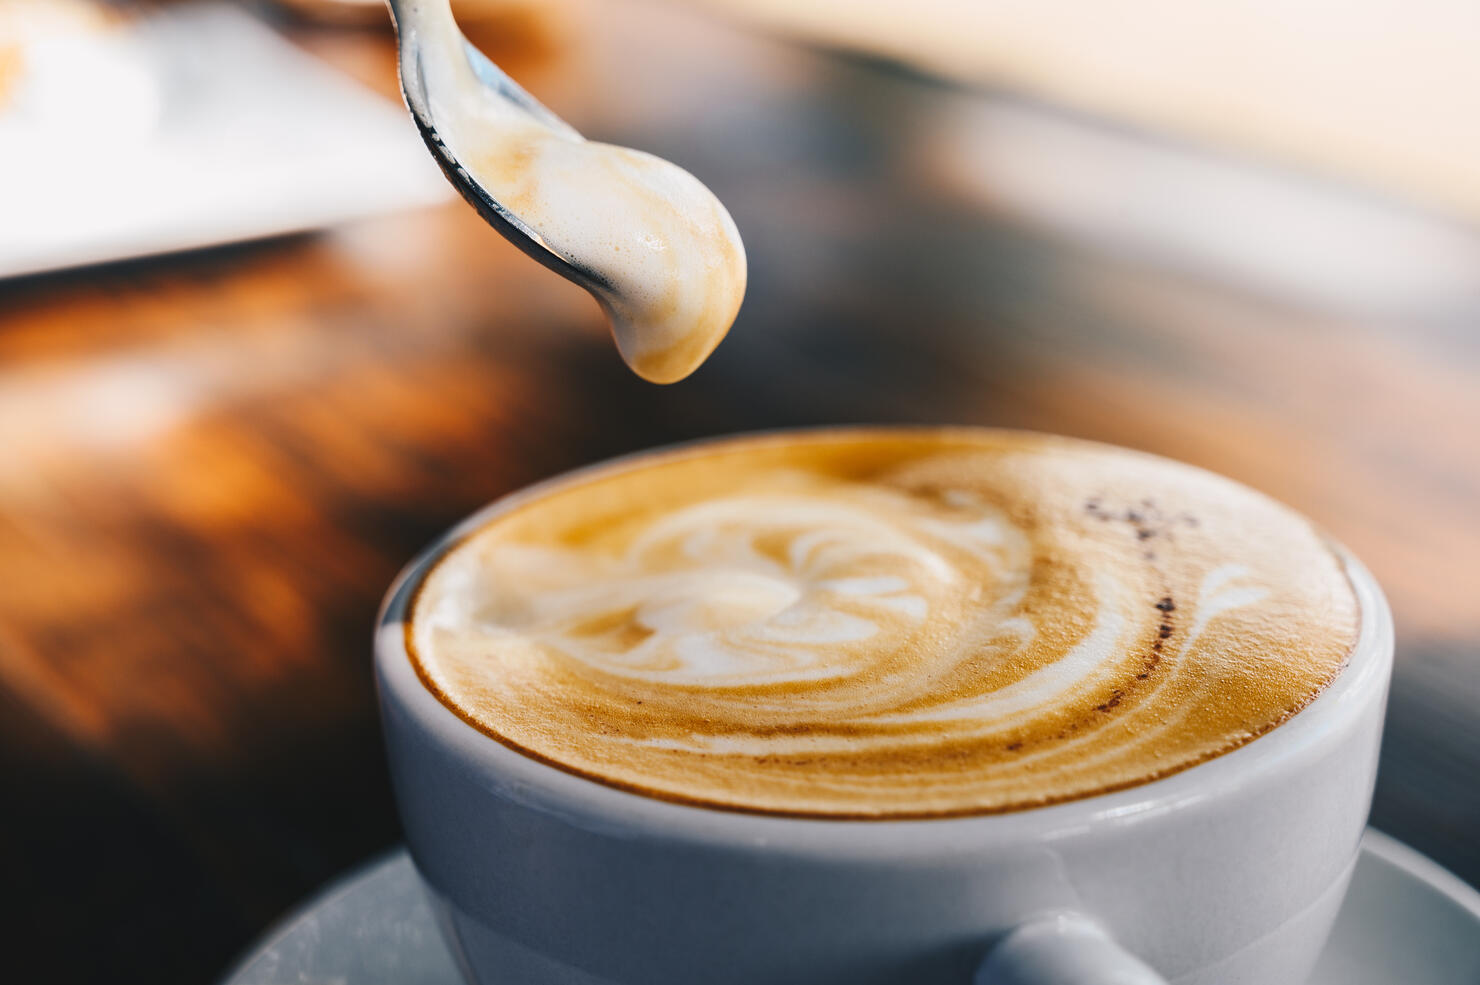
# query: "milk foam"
885,623
667,255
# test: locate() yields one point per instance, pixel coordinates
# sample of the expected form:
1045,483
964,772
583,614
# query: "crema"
884,623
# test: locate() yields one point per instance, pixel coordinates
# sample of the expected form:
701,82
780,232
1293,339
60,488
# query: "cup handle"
1062,949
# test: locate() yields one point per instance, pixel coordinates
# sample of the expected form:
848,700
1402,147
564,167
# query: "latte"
884,623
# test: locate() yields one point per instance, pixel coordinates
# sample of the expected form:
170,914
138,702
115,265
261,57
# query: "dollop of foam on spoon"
665,255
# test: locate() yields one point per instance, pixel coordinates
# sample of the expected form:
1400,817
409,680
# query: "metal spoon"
417,21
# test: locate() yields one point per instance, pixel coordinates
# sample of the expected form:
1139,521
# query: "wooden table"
214,464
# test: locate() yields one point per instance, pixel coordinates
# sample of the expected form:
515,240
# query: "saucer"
1405,919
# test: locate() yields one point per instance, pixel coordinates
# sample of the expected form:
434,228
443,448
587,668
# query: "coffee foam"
668,261
884,623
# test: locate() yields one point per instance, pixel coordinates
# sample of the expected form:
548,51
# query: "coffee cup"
1229,870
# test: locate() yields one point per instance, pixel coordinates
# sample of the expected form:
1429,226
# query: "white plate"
193,126
1405,920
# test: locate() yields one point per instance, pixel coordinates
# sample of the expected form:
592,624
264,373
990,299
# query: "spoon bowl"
655,248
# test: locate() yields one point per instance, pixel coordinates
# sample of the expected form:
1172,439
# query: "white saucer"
1405,920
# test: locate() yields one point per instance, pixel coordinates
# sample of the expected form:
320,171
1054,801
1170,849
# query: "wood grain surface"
214,464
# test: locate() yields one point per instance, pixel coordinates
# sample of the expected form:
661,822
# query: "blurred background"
253,356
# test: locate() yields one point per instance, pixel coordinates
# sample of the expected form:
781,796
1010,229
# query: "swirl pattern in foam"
884,623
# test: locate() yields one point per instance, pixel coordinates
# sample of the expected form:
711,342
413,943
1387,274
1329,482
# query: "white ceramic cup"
1228,872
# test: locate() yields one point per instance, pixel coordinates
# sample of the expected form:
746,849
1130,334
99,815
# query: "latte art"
742,590
884,623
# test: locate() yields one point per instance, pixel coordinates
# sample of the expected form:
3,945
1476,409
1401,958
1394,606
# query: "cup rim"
589,803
